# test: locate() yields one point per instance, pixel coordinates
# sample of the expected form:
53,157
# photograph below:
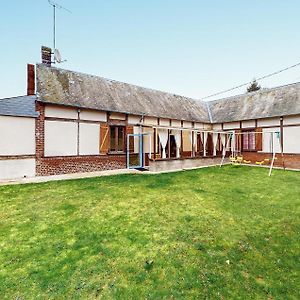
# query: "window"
249,141
117,139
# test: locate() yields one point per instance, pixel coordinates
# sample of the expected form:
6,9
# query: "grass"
230,233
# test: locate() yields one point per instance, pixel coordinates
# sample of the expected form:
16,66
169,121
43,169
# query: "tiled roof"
76,89
23,106
265,103
70,88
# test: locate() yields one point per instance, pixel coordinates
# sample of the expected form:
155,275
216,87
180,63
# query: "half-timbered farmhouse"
72,122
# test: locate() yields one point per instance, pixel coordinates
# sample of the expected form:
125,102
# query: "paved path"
86,175
95,174
68,176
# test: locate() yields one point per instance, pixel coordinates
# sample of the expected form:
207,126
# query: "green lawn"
230,233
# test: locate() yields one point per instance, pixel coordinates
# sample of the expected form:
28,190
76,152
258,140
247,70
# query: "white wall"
231,125
207,126
248,124
175,123
134,119
164,122
17,168
89,139
290,120
199,125
267,138
291,139
268,122
217,127
150,121
117,116
187,124
136,140
148,139
17,136
60,138
90,115
60,112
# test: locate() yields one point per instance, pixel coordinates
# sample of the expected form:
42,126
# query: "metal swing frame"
231,136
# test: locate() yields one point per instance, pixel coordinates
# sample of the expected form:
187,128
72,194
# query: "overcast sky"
192,48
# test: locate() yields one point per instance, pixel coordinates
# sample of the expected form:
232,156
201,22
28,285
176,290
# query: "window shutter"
238,141
258,140
104,138
129,130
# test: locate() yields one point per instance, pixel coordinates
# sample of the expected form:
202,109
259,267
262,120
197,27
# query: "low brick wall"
291,161
78,164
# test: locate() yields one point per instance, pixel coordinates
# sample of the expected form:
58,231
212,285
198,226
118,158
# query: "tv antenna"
56,53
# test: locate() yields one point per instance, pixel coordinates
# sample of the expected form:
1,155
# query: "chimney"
46,55
30,80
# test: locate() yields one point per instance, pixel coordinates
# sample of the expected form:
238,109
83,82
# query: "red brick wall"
40,130
290,160
69,164
30,80
78,164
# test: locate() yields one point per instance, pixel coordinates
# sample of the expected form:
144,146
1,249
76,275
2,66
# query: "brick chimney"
30,80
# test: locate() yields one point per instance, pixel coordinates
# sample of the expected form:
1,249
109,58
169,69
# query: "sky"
193,48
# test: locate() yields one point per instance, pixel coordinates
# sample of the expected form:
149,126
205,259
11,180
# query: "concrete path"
88,175
68,176
97,174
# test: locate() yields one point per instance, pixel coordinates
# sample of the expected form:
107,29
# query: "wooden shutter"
258,139
238,140
129,130
104,138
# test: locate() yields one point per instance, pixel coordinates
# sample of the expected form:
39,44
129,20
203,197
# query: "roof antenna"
56,53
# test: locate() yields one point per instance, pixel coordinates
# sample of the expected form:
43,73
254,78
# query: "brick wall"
46,166
290,160
78,164
40,130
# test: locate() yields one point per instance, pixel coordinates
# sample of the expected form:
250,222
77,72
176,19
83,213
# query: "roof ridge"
15,97
262,90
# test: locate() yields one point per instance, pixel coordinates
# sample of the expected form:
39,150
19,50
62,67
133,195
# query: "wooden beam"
169,144
181,148
281,141
192,133
154,143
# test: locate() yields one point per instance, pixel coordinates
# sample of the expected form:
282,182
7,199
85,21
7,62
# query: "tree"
254,86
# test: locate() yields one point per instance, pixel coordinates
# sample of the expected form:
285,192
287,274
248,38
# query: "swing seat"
236,161
239,159
247,161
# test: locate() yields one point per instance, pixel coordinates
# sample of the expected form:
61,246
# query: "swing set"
234,146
